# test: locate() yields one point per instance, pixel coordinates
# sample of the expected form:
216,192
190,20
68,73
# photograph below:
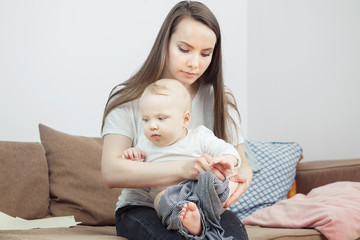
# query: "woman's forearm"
132,174
118,172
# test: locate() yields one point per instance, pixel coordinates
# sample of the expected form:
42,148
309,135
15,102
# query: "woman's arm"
118,172
243,177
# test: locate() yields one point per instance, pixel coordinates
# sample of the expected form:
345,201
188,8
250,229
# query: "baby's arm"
134,153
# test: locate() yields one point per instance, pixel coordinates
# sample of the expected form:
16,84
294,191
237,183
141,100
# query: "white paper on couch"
15,223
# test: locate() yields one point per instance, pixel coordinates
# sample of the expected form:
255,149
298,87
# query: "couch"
61,177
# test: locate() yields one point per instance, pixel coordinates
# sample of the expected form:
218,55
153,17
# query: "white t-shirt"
126,120
197,142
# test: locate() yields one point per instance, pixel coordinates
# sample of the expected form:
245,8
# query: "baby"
165,107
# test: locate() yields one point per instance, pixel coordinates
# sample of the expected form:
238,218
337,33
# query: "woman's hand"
240,190
243,177
225,164
201,164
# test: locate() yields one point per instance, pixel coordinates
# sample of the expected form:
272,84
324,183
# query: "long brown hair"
154,65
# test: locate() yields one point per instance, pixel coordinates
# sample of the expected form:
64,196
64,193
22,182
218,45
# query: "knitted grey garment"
208,192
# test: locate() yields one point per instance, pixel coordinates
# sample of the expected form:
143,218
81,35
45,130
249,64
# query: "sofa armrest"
310,175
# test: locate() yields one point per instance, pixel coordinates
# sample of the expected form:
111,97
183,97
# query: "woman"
188,49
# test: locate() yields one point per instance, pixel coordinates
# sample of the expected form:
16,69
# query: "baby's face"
163,119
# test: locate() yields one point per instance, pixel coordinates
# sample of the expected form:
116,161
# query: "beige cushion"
73,233
24,182
109,233
76,185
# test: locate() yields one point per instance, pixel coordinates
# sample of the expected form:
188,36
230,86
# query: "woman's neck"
193,88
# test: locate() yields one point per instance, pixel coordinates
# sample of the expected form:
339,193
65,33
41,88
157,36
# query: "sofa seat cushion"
76,184
109,233
73,233
24,182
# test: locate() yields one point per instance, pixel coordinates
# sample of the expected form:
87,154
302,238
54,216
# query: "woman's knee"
139,222
233,226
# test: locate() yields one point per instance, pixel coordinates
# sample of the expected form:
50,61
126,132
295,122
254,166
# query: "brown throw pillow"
24,182
76,184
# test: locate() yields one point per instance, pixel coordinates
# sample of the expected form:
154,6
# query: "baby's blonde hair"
171,88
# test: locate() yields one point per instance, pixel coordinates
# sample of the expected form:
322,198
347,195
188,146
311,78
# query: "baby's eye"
145,120
161,118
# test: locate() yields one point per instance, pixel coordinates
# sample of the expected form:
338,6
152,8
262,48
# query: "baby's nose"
153,126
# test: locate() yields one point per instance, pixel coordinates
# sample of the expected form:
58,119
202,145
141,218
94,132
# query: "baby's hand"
134,153
225,164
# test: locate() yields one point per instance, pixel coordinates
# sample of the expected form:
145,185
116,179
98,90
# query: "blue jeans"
141,222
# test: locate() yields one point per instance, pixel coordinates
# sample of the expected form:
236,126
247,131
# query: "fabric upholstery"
310,175
332,209
24,182
109,233
272,183
76,185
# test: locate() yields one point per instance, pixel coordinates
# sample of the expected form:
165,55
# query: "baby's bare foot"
190,217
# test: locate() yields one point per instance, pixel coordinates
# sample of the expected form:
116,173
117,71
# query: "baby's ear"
186,119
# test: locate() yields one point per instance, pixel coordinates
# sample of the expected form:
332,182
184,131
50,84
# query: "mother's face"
189,52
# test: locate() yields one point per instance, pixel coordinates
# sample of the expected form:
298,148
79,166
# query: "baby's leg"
232,188
157,199
189,216
191,219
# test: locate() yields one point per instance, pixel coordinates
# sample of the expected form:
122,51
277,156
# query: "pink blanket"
333,209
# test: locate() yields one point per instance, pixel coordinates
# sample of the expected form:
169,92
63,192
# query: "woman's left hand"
243,185
243,177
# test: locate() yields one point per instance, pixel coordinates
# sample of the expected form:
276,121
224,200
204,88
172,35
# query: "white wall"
59,59
293,66
304,75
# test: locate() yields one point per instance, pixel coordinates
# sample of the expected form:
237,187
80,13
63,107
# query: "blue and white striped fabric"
277,173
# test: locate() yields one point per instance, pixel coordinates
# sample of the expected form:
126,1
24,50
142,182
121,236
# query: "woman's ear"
186,119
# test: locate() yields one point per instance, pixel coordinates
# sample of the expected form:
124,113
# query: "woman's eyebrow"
190,46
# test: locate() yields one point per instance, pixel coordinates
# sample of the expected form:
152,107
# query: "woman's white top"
126,120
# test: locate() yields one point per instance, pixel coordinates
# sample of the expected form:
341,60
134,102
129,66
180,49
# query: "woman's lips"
189,74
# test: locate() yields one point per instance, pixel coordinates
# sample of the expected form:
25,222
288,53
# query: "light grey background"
294,66
59,59
304,75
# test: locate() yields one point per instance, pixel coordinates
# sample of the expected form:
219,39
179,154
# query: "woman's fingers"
241,188
200,164
218,173
208,166
204,162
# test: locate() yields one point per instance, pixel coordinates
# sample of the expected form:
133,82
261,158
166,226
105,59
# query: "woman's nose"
193,61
